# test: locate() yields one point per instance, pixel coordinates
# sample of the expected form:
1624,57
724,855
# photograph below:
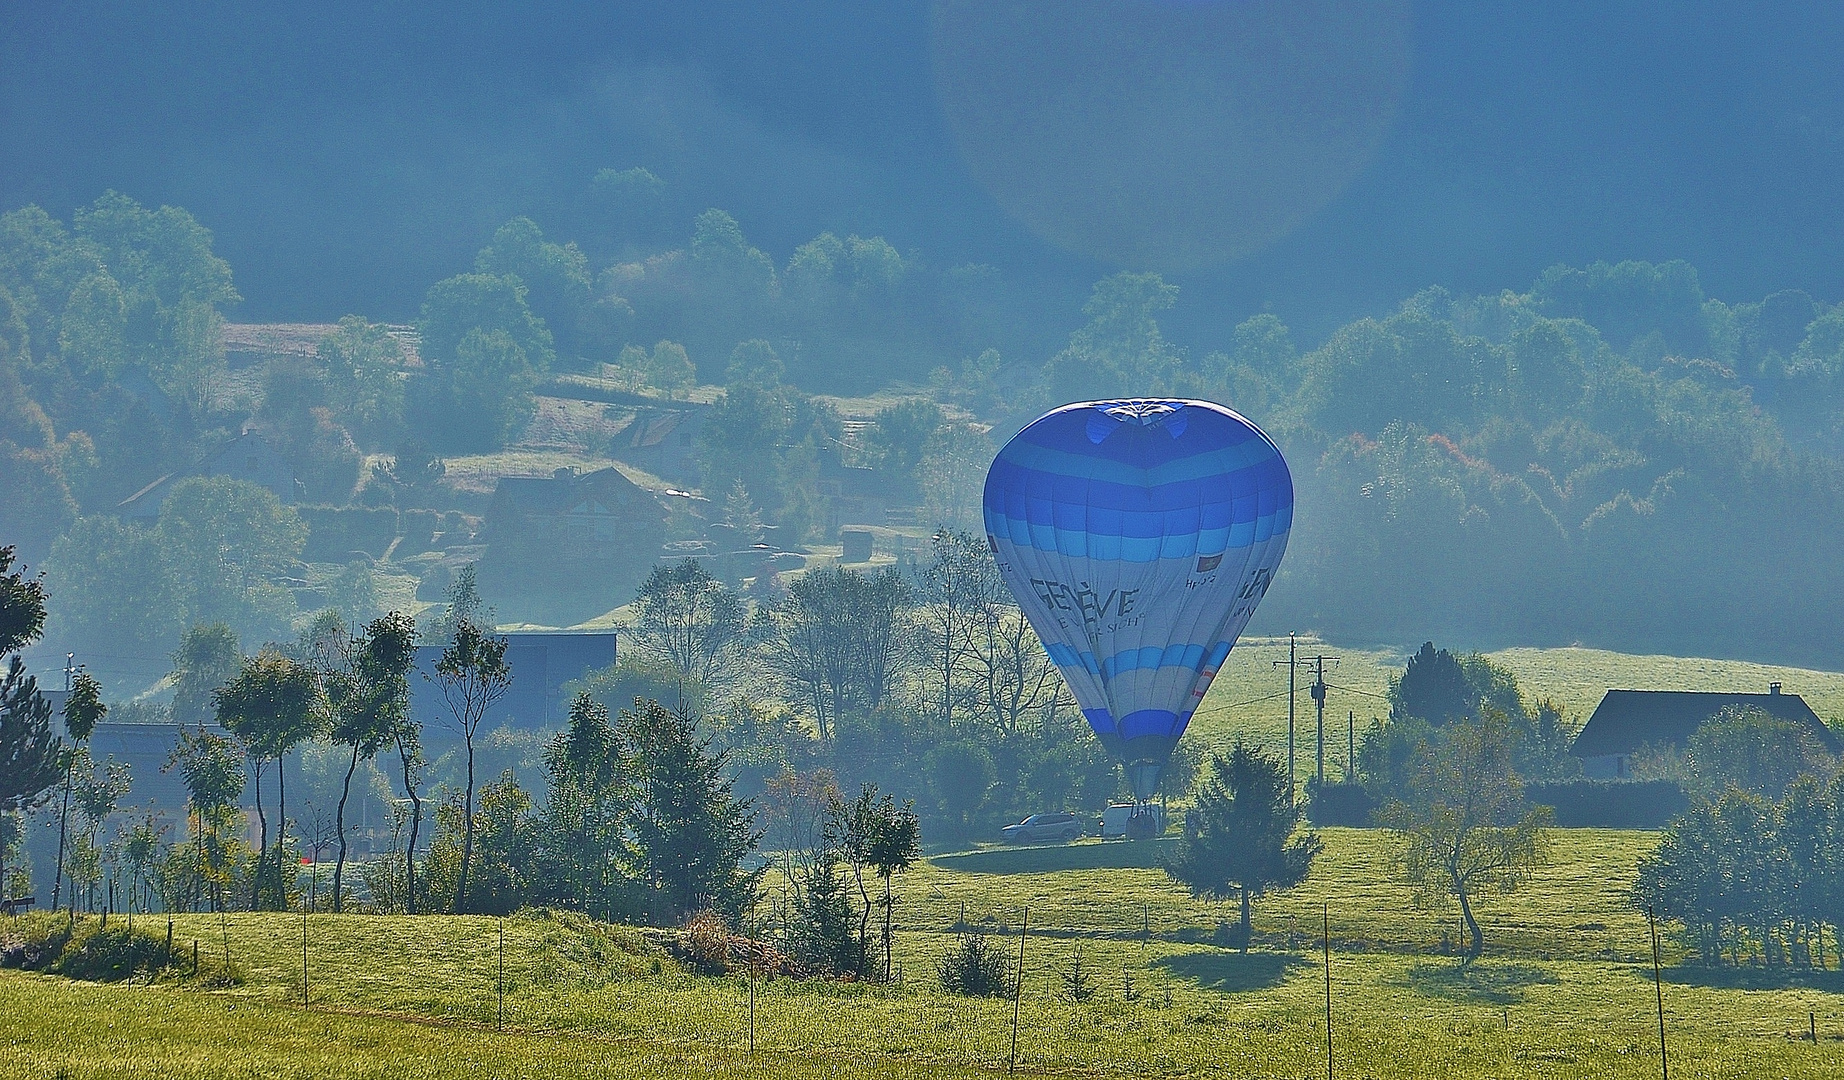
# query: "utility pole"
1350,745
1318,692
70,671
1292,664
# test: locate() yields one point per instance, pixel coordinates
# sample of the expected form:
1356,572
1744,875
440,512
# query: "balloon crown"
1146,411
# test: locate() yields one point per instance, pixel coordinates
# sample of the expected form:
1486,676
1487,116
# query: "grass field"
1249,697
1564,990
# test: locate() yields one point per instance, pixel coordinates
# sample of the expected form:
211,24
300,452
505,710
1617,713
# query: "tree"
899,434
407,738
491,381
97,795
227,541
556,277
1754,750
841,640
690,833
171,285
210,768
874,834
951,594
31,757
754,363
669,367
1434,688
742,441
1244,833
363,384
742,515
794,814
1121,352
951,473
960,774
272,706
83,709
694,623
22,605
368,696
1462,819
506,839
208,657
583,833
116,587
473,675
489,303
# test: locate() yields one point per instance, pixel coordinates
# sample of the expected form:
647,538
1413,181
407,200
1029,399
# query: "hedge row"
1579,804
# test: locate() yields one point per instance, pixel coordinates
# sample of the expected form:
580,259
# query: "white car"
1043,828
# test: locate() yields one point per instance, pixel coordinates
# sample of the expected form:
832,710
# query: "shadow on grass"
1484,982
1751,978
1232,972
1050,858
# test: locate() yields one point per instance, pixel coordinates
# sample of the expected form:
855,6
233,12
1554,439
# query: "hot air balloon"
1138,536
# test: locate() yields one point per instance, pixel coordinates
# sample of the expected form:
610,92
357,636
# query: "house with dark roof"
664,442
584,532
1625,720
247,457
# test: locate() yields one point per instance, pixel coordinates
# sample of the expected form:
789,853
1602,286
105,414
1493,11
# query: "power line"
1252,701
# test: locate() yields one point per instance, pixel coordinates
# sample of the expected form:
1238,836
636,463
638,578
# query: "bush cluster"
1750,877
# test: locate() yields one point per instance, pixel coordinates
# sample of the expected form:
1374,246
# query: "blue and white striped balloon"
1138,537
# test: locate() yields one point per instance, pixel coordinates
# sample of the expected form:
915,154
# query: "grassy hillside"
1249,697
1564,991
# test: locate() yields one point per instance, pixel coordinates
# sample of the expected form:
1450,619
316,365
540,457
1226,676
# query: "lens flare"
1166,136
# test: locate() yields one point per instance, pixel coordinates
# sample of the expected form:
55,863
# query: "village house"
1626,720
581,531
664,442
247,457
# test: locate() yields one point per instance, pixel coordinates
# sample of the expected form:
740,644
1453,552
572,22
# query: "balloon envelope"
1138,536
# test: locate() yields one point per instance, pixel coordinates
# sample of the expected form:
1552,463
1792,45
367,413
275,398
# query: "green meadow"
1565,989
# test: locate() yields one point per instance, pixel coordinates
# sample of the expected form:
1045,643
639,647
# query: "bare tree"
794,810
693,622
1015,684
841,641
952,595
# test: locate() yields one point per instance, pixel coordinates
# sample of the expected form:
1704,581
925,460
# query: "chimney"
1773,688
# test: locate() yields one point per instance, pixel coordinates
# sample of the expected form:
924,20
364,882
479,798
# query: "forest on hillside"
1610,456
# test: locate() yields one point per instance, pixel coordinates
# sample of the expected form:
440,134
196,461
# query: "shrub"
34,942
110,954
1610,804
707,941
1339,804
975,967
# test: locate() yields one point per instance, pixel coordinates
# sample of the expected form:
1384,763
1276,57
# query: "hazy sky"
348,154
